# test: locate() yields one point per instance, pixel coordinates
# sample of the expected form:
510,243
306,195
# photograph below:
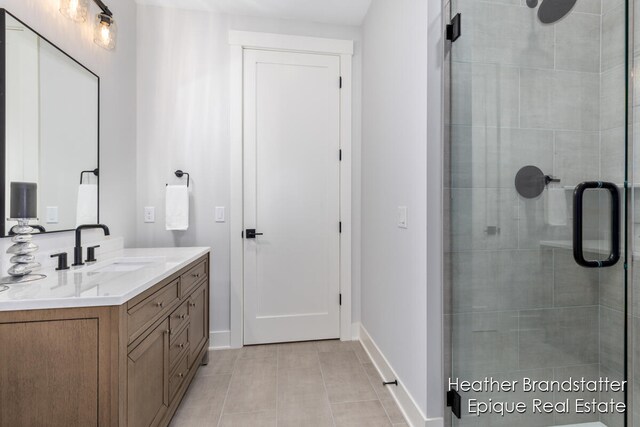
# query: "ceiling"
345,12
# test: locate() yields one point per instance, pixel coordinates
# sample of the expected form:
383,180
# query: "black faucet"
77,251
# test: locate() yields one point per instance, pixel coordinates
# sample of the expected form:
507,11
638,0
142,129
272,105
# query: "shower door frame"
627,197
629,225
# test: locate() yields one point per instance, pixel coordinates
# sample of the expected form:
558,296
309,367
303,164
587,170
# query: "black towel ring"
180,174
95,172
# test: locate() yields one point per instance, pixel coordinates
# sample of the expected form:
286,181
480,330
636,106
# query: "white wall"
436,70
400,289
183,123
117,70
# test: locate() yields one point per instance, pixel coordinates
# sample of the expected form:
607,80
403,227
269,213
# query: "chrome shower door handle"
578,249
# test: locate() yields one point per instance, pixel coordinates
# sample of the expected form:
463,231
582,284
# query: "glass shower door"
535,255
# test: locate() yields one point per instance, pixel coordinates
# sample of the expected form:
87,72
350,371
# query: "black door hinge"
454,400
340,227
340,155
340,299
454,29
340,82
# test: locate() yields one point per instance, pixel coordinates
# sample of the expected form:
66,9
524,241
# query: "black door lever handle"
251,233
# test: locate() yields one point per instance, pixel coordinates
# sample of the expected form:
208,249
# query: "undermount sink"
122,265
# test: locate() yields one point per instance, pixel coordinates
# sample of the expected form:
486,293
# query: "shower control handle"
578,198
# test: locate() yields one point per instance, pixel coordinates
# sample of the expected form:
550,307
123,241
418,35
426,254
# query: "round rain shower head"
552,11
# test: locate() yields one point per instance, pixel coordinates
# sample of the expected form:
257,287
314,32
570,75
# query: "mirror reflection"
51,130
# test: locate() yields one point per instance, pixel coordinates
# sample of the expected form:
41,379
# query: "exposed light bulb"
76,10
104,33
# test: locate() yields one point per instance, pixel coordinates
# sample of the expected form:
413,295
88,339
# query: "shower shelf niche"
589,246
573,187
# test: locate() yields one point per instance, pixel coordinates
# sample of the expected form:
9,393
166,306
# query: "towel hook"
95,172
180,174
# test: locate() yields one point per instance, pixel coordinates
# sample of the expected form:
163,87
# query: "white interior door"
291,196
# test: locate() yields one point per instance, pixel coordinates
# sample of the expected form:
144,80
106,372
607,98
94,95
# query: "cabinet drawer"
193,277
179,344
149,310
179,317
178,376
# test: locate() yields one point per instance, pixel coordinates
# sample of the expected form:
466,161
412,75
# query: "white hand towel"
87,208
556,207
177,207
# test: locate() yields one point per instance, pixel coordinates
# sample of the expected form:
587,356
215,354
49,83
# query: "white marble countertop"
116,278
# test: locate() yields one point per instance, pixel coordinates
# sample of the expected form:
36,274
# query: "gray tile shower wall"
576,48
559,100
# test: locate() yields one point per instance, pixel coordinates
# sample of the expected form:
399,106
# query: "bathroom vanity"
116,343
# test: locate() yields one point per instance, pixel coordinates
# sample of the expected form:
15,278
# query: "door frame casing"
239,41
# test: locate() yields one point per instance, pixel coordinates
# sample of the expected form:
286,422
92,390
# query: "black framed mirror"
50,129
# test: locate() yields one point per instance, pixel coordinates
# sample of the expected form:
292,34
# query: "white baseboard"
219,340
405,401
355,331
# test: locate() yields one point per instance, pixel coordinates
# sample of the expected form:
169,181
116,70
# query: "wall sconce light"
105,31
76,10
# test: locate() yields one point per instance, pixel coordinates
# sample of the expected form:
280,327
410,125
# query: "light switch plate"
149,214
402,217
220,214
52,215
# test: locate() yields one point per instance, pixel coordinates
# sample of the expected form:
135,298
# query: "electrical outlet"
52,215
402,217
219,214
150,214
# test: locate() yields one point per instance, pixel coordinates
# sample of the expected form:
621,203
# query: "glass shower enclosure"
539,210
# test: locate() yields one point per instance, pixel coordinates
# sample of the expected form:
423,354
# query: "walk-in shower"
539,197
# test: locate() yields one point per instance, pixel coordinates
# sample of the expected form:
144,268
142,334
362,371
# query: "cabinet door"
49,373
148,379
199,321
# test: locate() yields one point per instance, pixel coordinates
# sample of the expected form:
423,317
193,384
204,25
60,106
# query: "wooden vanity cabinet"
127,366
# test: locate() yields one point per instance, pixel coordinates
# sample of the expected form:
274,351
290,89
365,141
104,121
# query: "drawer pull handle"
180,375
160,304
192,304
183,316
180,345
168,332
196,275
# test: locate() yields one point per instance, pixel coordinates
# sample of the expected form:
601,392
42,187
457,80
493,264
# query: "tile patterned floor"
325,383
